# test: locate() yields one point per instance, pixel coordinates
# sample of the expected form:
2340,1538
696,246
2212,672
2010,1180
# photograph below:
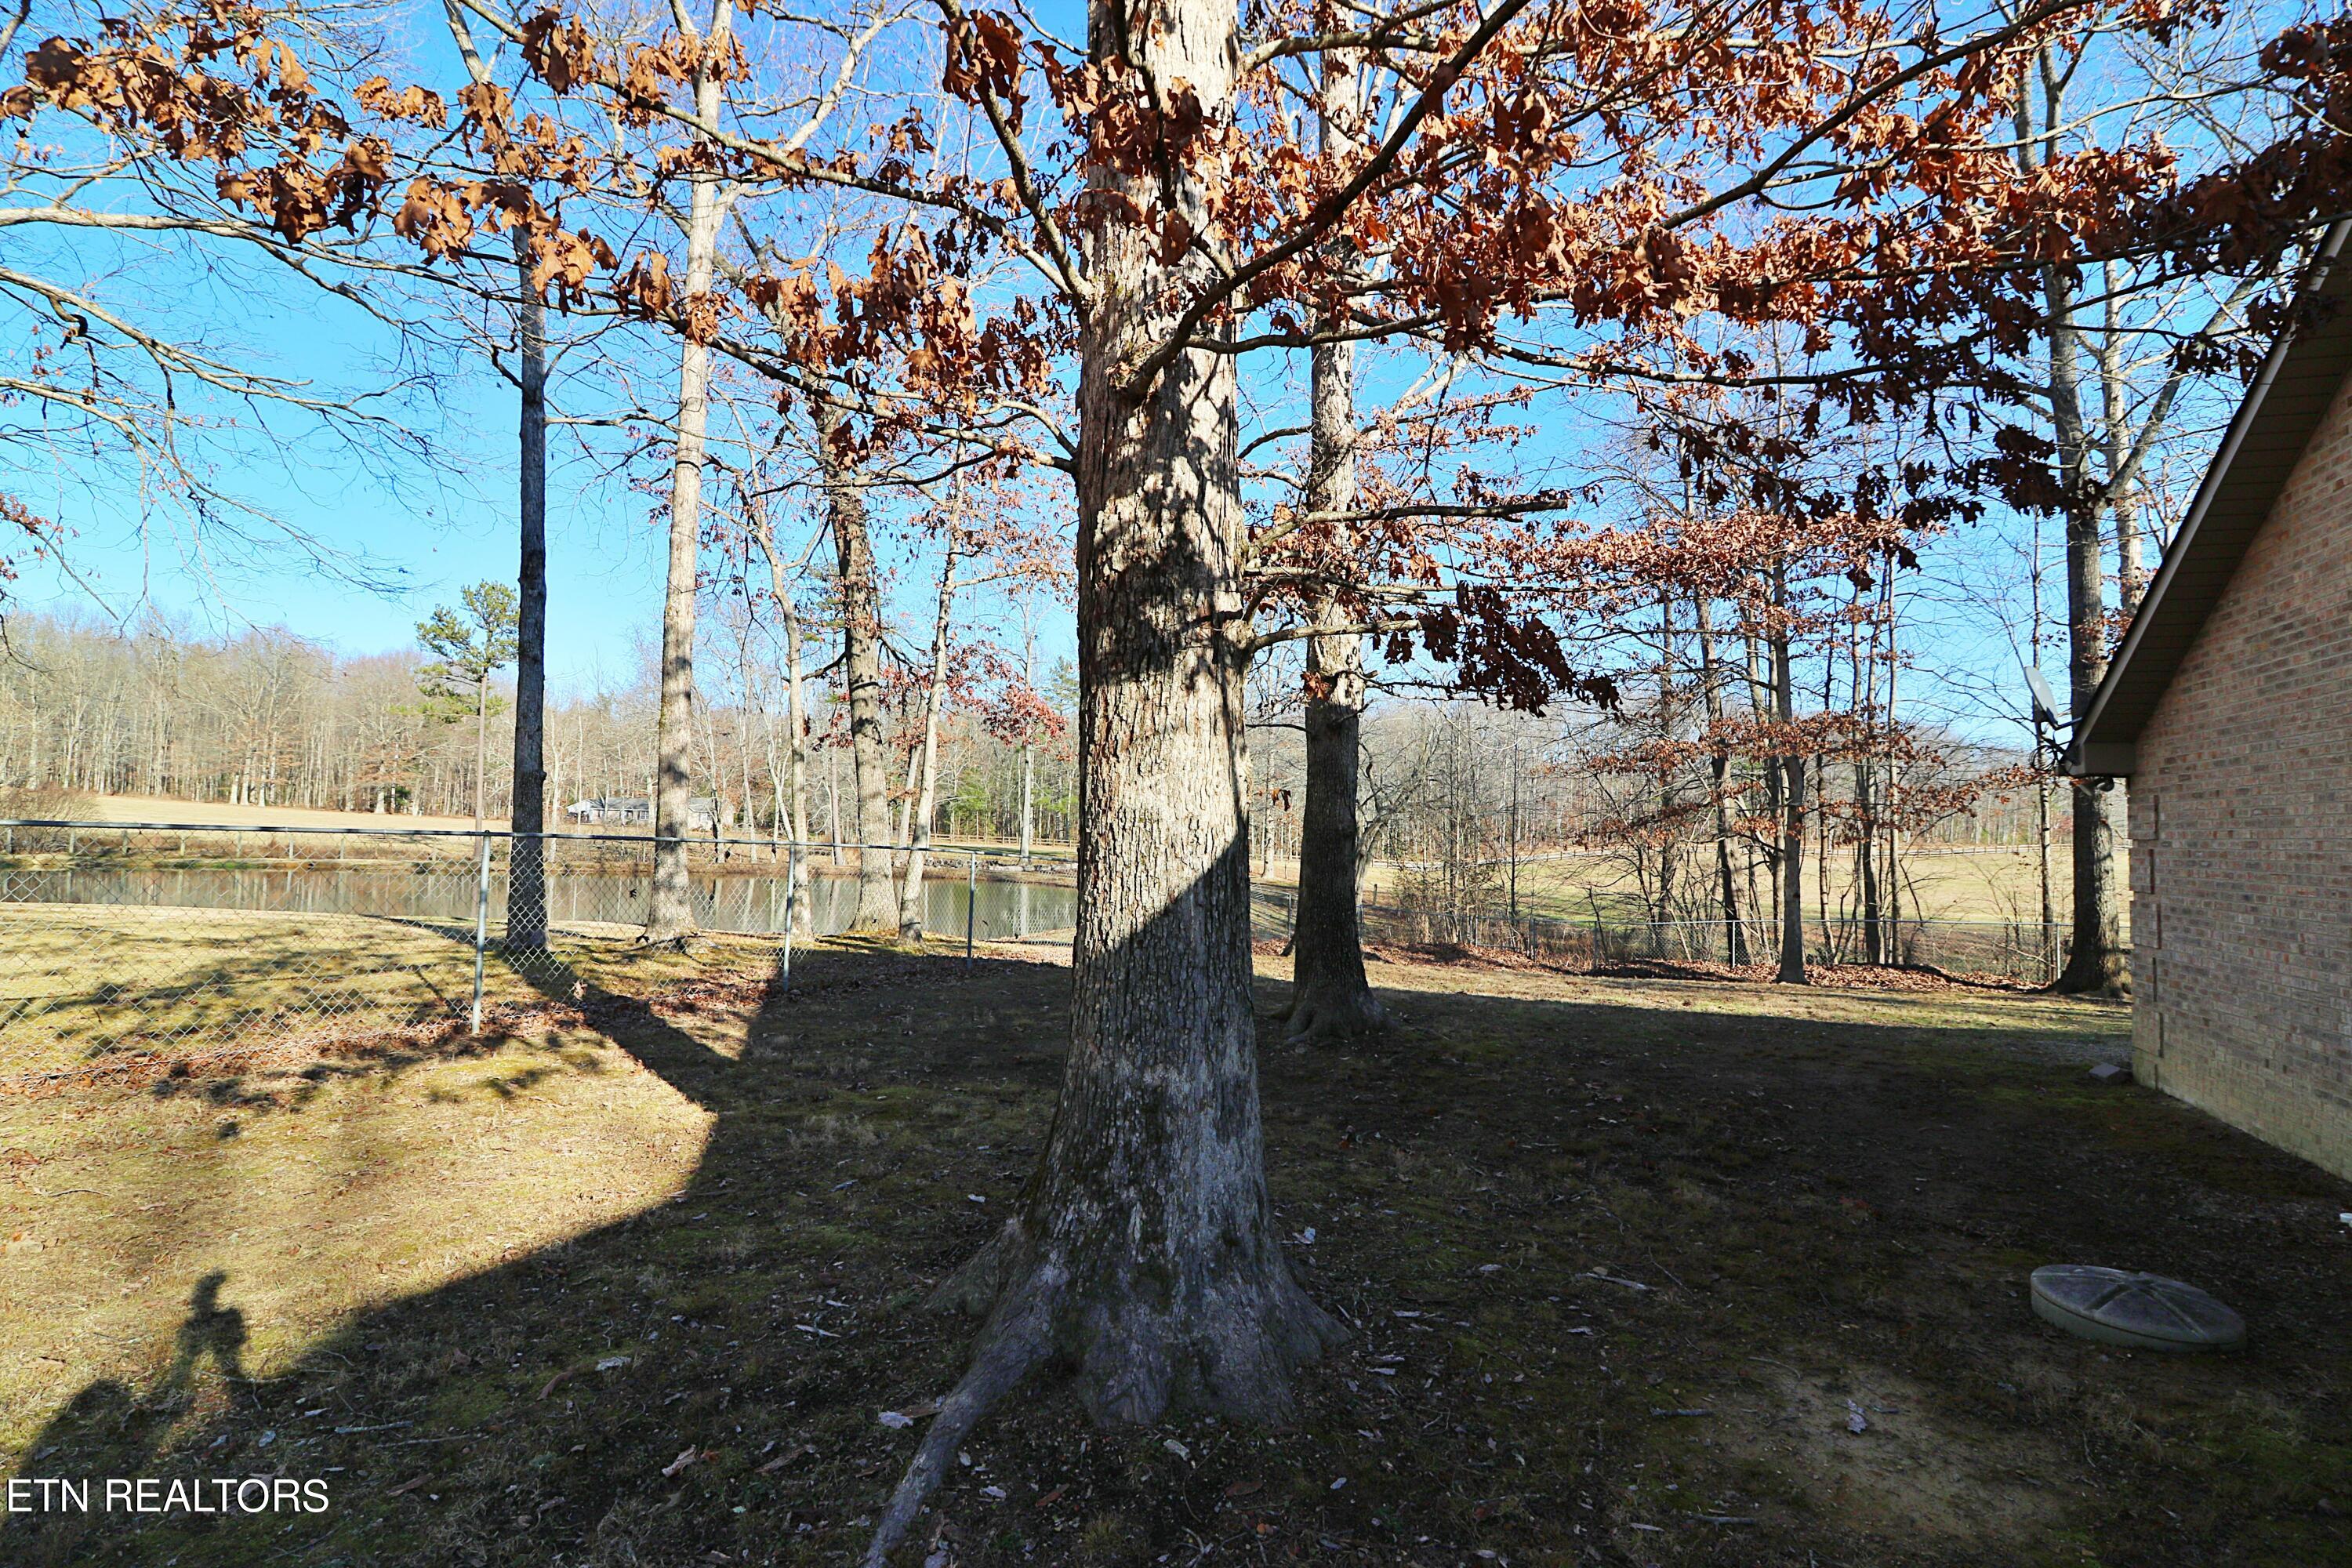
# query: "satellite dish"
2045,702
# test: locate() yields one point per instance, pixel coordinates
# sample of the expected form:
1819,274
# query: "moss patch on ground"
1627,1261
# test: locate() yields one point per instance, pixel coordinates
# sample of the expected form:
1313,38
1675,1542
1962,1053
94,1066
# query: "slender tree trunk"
861,668
1330,997
1866,863
904,832
910,896
1735,939
481,745
2097,960
2096,964
1893,794
1028,746
1864,676
1791,765
1028,801
796,789
670,910
1761,706
2114,423
833,793
1144,1258
527,816
1666,799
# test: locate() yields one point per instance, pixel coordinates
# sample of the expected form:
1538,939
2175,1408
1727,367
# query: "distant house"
621,811
611,811
2228,708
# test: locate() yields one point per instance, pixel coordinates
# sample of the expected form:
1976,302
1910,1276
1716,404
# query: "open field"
631,1282
208,814
1940,884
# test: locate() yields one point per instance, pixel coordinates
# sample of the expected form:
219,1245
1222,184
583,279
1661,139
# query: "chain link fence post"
971,905
481,928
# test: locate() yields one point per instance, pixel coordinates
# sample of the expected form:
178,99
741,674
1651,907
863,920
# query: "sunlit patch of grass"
101,991
305,1200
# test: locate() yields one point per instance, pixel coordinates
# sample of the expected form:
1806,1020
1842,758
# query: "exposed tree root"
1326,1015
1018,1338
2090,980
1129,1363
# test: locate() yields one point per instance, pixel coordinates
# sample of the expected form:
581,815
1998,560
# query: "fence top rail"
266,828
1586,922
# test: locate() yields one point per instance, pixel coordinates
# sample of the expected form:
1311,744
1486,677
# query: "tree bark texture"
795,782
1735,935
861,672
2095,963
1144,1258
918,838
527,852
1330,997
1792,793
669,914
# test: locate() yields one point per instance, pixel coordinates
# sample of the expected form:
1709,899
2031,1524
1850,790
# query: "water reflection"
751,903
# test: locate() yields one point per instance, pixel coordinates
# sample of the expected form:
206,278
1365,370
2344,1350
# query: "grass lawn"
1626,1259
96,991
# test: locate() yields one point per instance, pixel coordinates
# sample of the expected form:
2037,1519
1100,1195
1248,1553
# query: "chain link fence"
131,948
127,947
2027,953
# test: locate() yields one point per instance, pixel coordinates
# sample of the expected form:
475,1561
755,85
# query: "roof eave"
2104,745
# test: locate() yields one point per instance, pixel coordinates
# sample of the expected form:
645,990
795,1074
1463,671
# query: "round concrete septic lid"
2144,1311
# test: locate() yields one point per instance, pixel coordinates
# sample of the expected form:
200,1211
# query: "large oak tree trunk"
526,854
861,671
1145,1257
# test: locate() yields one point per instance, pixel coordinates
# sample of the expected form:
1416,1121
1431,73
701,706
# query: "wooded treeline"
1452,789
266,718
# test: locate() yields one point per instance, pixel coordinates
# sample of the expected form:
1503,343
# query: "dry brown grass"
630,1285
214,814
1989,884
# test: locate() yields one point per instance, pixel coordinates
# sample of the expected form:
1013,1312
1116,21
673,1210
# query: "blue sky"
397,535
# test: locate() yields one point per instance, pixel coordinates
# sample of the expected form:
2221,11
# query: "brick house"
2229,709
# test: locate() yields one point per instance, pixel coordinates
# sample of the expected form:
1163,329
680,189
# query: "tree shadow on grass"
1835,1196
846,1116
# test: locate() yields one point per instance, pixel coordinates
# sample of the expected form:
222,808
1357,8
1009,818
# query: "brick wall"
2241,820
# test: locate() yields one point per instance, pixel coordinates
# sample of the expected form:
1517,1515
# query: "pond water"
748,904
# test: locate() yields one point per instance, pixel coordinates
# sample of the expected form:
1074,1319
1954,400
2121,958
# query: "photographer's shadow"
110,1430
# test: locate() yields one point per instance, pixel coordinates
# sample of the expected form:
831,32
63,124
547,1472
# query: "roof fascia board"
2087,742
